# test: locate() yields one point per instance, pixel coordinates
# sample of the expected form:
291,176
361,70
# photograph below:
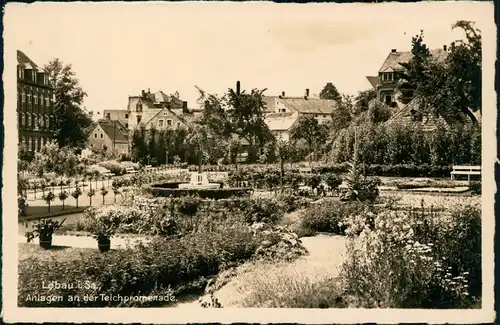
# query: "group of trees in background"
234,122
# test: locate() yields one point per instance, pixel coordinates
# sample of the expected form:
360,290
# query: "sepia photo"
249,162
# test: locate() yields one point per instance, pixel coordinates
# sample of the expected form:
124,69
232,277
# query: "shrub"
414,260
475,187
170,190
330,216
143,270
21,205
113,166
333,181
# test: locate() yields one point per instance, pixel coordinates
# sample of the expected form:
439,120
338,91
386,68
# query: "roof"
392,61
114,129
310,105
404,115
280,121
374,80
25,61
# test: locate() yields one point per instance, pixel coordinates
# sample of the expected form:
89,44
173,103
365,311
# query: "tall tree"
70,118
452,88
237,113
362,100
309,129
329,92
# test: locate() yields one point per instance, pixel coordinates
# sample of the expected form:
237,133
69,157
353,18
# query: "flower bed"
171,189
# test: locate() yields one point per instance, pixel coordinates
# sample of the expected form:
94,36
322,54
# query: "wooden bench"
305,170
465,170
108,174
130,170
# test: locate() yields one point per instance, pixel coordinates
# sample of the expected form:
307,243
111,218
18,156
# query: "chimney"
149,91
307,93
453,45
445,47
143,93
185,107
237,87
282,94
393,51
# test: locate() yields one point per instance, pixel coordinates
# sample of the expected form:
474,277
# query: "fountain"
198,181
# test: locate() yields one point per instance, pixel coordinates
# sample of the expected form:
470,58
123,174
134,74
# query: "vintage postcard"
249,162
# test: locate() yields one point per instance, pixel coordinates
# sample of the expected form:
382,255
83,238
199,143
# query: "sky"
119,49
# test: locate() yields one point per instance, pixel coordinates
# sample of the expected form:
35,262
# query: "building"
35,115
108,134
387,81
321,109
281,124
156,110
120,115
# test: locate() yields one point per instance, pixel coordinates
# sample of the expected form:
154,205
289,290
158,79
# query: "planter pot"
104,244
46,242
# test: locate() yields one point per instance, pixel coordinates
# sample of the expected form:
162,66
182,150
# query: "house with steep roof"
410,114
389,74
107,134
281,124
321,109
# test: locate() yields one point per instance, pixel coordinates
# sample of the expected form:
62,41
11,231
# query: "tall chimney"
149,90
307,92
238,87
445,47
143,93
184,107
282,94
393,51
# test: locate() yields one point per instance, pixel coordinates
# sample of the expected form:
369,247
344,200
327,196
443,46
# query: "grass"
60,253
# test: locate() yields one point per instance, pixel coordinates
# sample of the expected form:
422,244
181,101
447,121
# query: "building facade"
320,109
109,135
387,82
35,96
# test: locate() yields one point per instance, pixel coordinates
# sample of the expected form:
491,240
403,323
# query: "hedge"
171,189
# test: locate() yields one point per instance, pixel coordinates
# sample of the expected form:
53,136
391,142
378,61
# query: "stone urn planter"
104,244
44,229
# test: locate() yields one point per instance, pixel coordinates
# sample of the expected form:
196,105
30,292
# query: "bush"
475,187
144,270
330,216
113,166
414,260
171,190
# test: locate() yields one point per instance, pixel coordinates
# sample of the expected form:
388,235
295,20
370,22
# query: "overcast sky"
119,49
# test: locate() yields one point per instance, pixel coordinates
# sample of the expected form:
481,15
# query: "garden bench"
130,170
305,170
108,174
466,170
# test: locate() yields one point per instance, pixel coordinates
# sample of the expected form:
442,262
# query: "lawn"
59,253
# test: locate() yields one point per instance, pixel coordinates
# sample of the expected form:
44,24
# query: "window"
30,144
47,121
36,144
29,98
23,143
95,135
35,120
20,73
126,125
22,119
126,115
47,101
108,116
42,121
24,96
101,135
41,99
178,124
169,122
35,98
160,123
29,119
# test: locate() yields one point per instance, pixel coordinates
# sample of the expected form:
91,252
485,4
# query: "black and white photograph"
249,162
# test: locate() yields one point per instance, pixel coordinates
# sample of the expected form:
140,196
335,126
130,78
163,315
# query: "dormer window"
139,106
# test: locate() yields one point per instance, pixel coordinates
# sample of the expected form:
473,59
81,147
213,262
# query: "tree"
71,120
63,196
91,193
309,129
363,99
198,139
285,151
237,113
451,89
104,192
49,198
329,92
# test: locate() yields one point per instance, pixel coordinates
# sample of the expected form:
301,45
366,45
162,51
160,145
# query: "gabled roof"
310,105
392,61
404,115
374,81
280,121
114,130
24,61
